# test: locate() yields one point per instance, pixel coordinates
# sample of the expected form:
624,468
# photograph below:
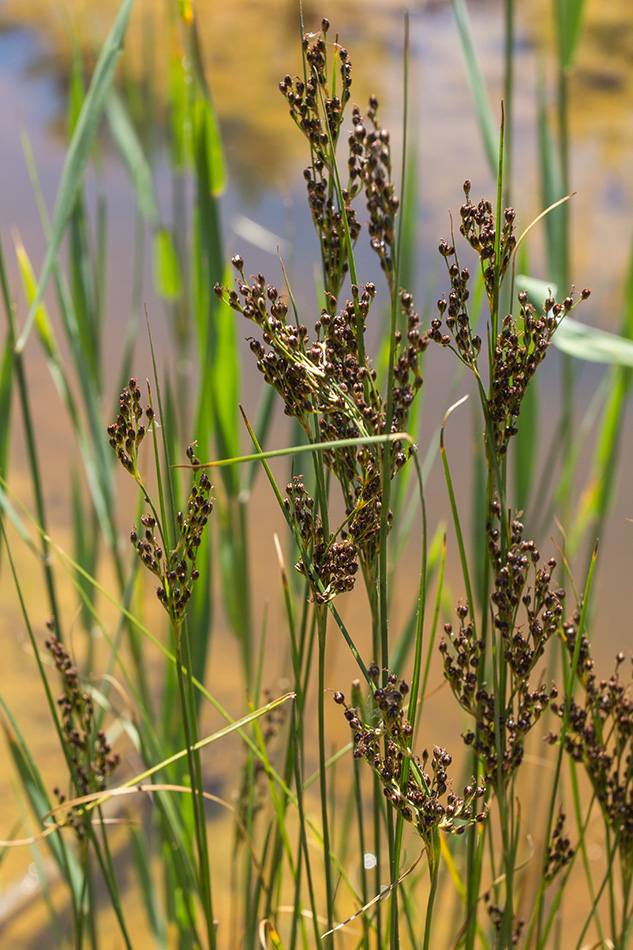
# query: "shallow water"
248,46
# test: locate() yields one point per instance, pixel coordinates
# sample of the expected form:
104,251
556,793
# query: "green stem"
187,705
433,855
321,632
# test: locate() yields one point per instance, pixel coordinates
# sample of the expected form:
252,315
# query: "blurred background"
245,48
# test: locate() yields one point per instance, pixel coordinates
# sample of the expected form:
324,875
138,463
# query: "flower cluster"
333,565
330,382
505,728
479,227
496,915
176,570
370,163
457,318
417,788
318,112
599,735
89,753
127,433
559,851
521,344
542,602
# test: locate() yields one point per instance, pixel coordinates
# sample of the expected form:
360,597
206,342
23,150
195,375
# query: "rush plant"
393,835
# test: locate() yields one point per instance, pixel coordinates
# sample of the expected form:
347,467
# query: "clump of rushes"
491,660
176,569
416,787
520,586
329,382
90,756
324,375
520,344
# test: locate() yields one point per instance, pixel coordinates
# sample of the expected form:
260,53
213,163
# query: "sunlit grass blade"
85,289
133,155
225,374
552,188
96,464
593,345
86,546
6,391
485,115
167,277
36,795
599,490
569,15
208,147
456,518
78,152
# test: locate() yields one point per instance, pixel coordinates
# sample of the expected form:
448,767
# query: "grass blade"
131,150
569,15
485,117
594,346
78,151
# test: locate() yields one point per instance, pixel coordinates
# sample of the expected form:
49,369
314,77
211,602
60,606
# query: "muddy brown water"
248,46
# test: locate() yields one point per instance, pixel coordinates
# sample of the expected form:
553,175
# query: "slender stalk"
321,613
188,711
433,856
508,95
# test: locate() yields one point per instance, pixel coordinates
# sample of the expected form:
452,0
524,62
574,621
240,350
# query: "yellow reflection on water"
246,48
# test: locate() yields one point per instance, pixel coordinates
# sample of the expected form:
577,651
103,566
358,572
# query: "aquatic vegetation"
498,842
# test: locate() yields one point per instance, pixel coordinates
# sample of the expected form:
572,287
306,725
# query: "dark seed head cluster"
479,227
329,381
129,430
559,851
599,735
418,788
318,112
176,569
496,915
526,615
332,565
520,348
521,343
90,755
370,162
